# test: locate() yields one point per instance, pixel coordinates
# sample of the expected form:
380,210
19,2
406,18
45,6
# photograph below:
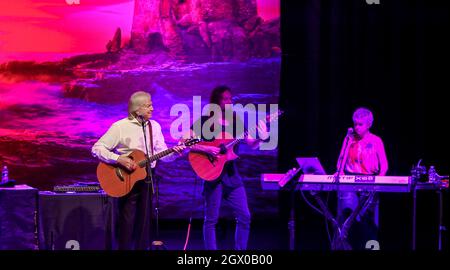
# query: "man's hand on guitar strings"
211,150
127,162
262,135
262,130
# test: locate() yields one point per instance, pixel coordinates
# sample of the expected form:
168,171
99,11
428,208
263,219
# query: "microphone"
350,132
140,117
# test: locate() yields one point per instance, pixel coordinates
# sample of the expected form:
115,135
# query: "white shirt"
126,135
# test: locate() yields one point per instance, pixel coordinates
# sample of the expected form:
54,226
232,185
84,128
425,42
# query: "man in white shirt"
113,147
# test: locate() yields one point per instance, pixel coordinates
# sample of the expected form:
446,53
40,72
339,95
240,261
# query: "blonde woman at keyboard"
362,153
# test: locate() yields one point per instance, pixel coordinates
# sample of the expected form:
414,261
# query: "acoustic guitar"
209,167
117,181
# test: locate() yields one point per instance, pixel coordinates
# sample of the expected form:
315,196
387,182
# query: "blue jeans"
237,199
348,200
365,227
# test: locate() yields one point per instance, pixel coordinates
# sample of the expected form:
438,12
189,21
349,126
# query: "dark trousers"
134,222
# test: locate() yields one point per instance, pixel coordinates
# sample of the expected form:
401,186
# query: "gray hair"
136,101
363,113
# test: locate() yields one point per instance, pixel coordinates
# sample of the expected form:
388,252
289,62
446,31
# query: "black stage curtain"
392,58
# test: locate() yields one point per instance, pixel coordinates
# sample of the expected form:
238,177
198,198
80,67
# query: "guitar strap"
150,129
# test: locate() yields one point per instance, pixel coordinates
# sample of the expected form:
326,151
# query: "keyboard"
344,183
76,188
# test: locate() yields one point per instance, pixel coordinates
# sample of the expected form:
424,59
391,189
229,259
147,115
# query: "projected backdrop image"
67,69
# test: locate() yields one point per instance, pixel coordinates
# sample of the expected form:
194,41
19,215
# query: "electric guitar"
117,181
209,167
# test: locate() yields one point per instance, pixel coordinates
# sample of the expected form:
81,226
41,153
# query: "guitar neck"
240,138
271,118
233,142
156,157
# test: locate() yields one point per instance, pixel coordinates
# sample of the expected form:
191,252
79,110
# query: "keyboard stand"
291,187
341,230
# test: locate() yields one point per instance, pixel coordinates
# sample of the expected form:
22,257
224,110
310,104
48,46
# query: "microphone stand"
157,244
149,179
342,160
148,165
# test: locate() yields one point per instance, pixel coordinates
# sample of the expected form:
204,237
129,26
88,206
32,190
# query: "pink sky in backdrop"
48,27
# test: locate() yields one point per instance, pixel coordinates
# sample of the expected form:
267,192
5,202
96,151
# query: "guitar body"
116,180
207,167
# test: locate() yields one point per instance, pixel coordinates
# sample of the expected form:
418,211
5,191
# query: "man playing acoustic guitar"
228,185
122,138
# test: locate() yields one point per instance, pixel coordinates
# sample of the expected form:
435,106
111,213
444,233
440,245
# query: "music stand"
310,165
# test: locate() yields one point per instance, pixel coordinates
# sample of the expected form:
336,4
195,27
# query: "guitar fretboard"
272,117
156,157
